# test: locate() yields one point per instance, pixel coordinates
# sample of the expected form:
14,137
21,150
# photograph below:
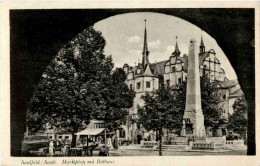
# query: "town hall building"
147,77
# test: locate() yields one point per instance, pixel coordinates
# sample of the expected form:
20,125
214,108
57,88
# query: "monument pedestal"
209,143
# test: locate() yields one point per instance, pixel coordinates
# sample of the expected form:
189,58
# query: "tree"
119,98
159,112
237,122
78,86
209,101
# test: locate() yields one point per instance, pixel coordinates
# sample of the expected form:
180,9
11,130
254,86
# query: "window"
99,125
179,80
138,71
138,85
131,86
173,69
167,82
148,84
122,134
66,137
224,97
50,137
204,69
60,136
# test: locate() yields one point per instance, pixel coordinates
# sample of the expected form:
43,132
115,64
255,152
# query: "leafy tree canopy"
237,122
210,100
79,85
160,111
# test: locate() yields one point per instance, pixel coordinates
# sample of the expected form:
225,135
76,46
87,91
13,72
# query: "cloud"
133,39
169,50
134,52
182,47
154,44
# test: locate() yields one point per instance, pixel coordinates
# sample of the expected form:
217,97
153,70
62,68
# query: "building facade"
147,77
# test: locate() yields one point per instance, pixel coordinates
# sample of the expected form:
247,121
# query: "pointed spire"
145,60
145,49
202,46
176,51
201,41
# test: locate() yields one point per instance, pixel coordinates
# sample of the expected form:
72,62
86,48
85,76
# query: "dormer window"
138,71
99,125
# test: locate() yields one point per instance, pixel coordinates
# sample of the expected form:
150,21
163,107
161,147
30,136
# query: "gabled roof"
158,68
235,93
228,84
233,86
148,71
203,56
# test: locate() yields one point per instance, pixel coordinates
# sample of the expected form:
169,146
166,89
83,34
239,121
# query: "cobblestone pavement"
172,153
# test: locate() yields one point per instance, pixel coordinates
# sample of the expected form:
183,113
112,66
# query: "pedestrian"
64,150
103,151
109,142
115,143
92,147
51,148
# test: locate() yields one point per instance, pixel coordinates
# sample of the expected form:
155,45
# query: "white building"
147,77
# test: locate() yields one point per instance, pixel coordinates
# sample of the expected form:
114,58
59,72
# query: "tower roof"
145,59
176,51
145,48
201,42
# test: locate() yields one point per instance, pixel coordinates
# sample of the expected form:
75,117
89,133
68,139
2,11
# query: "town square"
184,101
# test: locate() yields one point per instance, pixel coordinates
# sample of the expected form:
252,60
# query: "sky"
124,35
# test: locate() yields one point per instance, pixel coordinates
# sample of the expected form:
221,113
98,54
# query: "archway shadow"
37,35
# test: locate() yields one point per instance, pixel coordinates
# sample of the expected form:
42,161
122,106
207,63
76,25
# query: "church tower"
145,53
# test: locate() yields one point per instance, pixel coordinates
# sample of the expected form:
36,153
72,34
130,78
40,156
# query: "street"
126,152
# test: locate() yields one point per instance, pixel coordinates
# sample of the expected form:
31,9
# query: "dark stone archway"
37,35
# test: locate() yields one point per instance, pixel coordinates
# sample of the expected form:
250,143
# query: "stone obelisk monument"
193,119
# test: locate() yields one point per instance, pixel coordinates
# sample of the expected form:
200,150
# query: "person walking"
115,142
51,148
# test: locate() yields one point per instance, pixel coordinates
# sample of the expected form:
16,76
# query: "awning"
89,131
234,134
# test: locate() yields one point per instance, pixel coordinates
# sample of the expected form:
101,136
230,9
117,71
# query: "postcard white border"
6,159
